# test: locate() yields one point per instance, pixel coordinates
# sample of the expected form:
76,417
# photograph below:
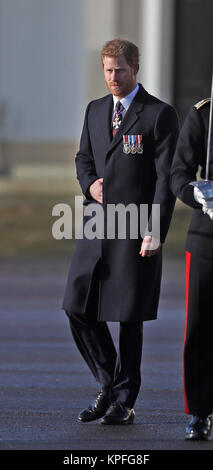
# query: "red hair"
118,47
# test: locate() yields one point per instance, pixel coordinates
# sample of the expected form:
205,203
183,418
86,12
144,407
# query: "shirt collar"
126,101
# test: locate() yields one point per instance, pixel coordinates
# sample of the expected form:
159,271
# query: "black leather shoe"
97,409
118,414
199,428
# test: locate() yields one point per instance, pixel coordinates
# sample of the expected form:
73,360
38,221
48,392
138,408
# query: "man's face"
120,77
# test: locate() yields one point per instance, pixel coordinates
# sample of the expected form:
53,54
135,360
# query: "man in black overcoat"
190,156
126,150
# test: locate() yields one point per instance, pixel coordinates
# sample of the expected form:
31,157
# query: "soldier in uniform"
126,149
191,154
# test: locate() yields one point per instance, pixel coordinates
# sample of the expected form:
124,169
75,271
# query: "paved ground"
44,382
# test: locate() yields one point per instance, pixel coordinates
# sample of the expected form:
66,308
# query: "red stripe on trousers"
188,268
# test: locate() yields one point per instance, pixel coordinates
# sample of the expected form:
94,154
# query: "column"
157,20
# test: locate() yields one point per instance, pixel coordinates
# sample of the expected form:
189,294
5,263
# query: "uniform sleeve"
85,165
187,157
165,135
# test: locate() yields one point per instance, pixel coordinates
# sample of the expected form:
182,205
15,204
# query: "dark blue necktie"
117,117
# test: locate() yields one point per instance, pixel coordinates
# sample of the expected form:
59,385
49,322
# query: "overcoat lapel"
105,118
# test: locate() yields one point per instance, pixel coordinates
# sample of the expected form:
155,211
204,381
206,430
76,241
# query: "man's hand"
149,246
96,190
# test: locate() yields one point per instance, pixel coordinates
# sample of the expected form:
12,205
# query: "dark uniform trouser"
118,372
198,347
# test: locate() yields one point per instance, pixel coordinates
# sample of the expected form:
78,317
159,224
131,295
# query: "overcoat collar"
130,118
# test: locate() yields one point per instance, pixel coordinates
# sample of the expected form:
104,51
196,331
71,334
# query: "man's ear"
136,68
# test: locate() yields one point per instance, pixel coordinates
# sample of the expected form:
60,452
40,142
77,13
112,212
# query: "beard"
120,88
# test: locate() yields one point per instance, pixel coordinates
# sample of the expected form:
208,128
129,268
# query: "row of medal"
132,144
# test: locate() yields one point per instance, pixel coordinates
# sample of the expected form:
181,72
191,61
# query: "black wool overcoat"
129,285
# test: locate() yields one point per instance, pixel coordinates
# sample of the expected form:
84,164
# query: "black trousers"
116,371
198,347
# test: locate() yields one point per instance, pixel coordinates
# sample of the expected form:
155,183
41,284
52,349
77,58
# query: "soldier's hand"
198,196
96,190
149,246
208,208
